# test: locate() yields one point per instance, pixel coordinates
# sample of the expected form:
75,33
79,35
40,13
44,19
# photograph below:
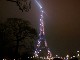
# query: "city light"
78,55
78,51
74,56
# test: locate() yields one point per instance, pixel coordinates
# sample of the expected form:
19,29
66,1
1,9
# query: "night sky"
62,22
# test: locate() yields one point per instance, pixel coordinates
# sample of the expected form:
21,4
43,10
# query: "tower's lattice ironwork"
42,49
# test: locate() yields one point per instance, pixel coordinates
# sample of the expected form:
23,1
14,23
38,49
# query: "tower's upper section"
41,25
41,19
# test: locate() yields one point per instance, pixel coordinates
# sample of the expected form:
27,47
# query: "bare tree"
24,5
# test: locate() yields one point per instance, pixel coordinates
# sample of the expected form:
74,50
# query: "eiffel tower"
42,50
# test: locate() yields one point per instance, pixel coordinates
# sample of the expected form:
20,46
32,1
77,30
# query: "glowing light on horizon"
77,51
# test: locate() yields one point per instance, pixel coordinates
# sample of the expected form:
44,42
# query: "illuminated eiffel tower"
42,50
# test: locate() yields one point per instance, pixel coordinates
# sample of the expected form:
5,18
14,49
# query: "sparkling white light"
42,33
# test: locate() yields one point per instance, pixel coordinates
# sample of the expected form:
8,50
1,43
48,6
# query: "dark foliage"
24,5
16,38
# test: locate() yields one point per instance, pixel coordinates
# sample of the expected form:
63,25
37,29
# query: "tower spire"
42,49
